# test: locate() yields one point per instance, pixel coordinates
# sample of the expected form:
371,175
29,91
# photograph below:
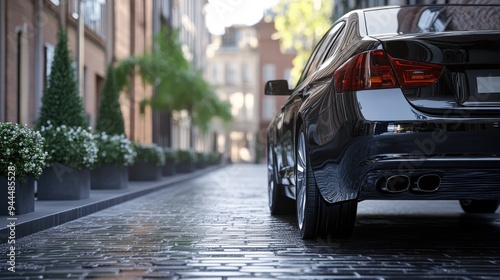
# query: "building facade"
233,60
189,18
274,64
100,32
240,63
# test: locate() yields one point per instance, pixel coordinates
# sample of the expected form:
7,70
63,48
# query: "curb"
49,214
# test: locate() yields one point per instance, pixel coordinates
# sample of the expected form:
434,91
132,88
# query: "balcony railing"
94,15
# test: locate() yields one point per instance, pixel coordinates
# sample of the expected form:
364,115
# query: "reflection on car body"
394,103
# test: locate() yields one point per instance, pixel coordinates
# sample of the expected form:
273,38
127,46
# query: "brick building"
107,31
275,64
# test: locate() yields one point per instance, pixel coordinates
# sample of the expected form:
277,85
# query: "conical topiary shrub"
116,152
69,143
61,103
110,117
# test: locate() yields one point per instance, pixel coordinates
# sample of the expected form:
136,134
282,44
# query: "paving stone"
210,229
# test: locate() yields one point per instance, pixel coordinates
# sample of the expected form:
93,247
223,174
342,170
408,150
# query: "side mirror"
277,87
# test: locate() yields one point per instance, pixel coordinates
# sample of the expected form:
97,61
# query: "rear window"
420,19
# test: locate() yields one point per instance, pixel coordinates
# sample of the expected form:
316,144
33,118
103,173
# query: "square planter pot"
109,177
168,169
185,167
144,171
62,182
24,196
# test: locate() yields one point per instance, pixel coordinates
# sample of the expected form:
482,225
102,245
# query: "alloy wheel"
301,180
270,174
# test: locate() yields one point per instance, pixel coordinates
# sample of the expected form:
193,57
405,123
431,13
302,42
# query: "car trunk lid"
470,76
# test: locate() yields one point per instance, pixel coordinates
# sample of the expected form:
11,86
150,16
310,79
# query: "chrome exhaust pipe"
428,183
396,184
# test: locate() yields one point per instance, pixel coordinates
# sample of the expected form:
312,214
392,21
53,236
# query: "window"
268,72
230,38
336,36
230,74
49,57
287,75
165,9
94,12
320,52
216,74
245,73
268,108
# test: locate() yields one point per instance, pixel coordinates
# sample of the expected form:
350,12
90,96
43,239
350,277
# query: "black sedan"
394,103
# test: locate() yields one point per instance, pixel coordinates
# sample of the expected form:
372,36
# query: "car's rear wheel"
307,192
479,206
279,204
336,221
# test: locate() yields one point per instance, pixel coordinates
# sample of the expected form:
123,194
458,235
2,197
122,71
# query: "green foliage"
110,117
214,158
115,149
300,25
151,153
72,146
186,156
179,86
171,156
201,158
21,151
208,105
61,103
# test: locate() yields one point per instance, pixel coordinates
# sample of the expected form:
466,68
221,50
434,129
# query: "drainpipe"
3,19
38,79
80,51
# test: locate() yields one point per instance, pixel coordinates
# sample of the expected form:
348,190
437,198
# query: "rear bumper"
467,162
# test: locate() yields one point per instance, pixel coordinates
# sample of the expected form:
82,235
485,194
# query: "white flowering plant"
114,149
21,150
151,153
72,146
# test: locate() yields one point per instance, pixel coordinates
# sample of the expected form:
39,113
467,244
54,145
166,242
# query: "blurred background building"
238,62
241,62
99,32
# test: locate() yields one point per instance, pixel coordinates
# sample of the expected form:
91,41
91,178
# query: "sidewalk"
53,213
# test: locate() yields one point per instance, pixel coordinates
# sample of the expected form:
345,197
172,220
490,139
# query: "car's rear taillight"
415,74
368,70
372,70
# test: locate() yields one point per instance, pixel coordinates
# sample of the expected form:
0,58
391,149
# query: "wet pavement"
218,227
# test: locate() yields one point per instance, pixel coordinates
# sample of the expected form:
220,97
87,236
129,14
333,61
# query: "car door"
289,111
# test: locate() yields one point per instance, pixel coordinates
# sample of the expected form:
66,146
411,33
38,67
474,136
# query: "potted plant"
63,123
171,161
116,153
187,159
22,159
72,151
214,158
201,160
148,163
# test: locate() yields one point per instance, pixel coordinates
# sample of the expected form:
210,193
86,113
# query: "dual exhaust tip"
400,183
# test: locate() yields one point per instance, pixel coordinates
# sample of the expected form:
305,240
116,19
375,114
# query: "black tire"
279,204
479,206
336,221
307,194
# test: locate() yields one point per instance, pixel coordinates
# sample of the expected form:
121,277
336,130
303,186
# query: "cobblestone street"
218,227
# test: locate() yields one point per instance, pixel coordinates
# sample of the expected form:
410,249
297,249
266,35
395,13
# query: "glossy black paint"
359,138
